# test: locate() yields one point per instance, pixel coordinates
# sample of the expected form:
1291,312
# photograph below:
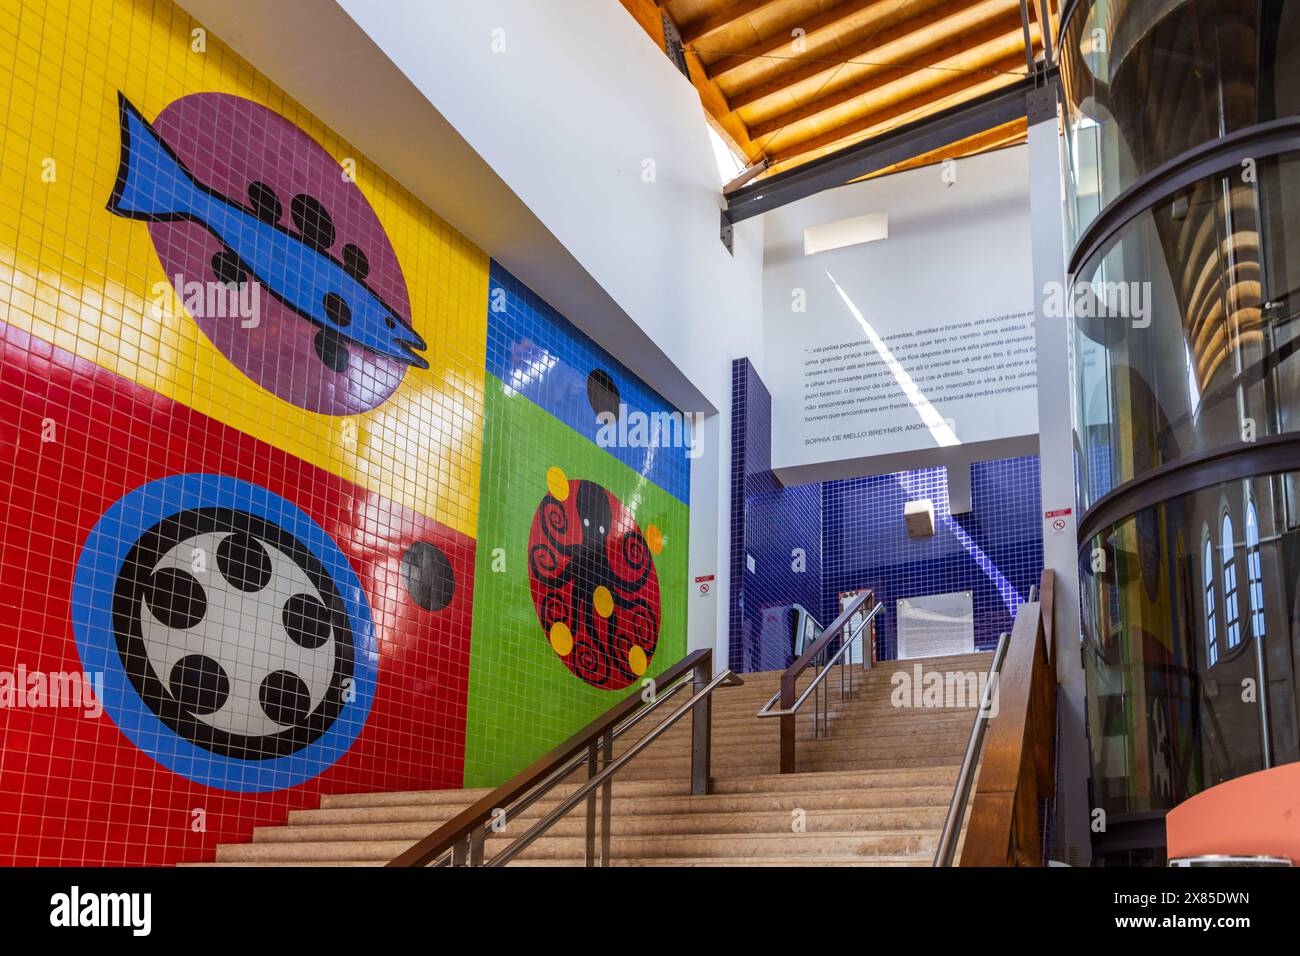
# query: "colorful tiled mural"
301,492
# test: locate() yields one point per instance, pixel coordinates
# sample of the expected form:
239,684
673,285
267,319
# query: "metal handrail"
766,711
465,833
547,785
966,775
726,678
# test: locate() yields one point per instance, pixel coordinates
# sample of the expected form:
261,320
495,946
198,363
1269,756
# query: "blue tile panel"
779,528
853,535
995,551
537,352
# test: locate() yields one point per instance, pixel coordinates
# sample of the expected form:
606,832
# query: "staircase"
872,792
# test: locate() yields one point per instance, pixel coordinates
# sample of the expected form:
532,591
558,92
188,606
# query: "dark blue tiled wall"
995,551
779,528
854,536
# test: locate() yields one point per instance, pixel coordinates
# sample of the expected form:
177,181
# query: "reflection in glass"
1200,350
1211,622
1171,710
1232,625
1254,571
1147,80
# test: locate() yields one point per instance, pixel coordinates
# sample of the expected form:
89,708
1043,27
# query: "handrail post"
606,795
460,852
701,733
476,841
788,725
589,851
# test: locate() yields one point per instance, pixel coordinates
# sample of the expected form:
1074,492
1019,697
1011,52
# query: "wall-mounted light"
920,518
845,232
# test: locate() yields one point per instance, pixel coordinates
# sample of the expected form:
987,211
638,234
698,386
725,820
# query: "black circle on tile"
312,220
176,598
602,392
243,562
336,309
284,697
332,350
199,684
355,262
264,203
307,620
227,268
429,576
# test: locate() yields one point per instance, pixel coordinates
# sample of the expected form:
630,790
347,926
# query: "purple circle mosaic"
257,158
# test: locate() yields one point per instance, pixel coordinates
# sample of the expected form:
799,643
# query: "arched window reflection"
1211,624
1231,613
1254,571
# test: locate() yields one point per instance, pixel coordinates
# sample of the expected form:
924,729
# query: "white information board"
936,625
922,340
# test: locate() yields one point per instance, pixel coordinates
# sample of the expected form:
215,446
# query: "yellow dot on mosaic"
557,483
654,539
636,660
561,638
603,600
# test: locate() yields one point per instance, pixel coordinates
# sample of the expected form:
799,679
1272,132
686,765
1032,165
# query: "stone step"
883,798
748,727
741,748
741,845
649,861
626,824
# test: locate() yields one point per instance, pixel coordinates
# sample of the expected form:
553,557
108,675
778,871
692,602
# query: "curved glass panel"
1167,713
1187,327
1146,80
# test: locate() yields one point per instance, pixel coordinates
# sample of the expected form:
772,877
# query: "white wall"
537,154
957,252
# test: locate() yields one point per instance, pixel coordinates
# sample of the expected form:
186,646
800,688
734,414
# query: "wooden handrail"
1018,767
795,670
461,826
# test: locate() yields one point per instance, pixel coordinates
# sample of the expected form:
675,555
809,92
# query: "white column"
1056,463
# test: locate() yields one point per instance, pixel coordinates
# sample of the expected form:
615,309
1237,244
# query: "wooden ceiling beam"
936,18
1006,29
713,22
783,42
1005,70
650,15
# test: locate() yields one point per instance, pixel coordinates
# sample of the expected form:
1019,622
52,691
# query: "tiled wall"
776,536
543,463
856,531
995,551
337,537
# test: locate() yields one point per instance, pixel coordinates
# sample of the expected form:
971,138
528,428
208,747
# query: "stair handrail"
461,839
1005,825
521,843
974,746
839,628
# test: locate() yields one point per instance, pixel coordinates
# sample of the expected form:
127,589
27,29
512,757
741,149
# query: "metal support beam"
1045,22
1029,43
880,152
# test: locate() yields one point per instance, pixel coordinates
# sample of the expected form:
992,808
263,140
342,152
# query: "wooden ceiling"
793,80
